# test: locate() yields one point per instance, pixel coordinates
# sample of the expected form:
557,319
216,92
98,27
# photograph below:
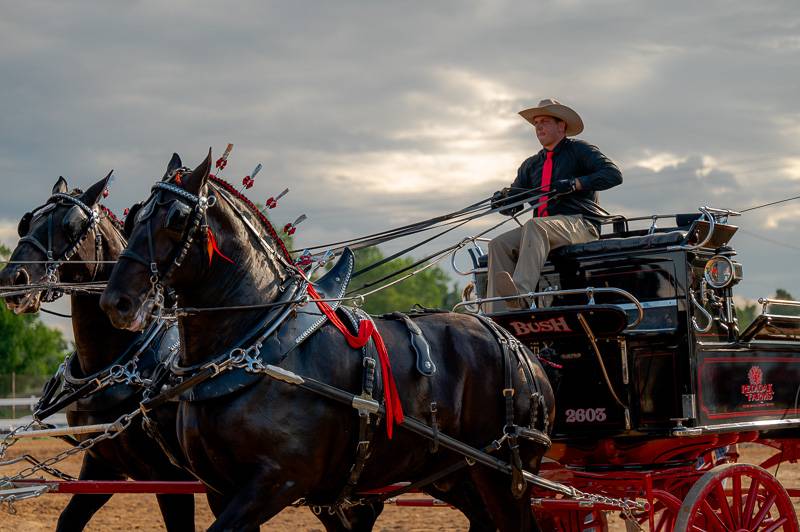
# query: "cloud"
377,114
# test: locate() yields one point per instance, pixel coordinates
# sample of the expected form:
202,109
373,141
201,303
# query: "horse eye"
24,224
74,221
177,216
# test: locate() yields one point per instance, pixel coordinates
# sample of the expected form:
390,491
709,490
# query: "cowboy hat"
552,107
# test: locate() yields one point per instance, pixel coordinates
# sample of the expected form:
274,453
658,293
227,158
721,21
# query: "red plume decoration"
213,248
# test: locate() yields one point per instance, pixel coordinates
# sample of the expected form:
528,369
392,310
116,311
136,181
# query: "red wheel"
739,498
665,511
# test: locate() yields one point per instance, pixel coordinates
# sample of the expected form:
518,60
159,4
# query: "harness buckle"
508,392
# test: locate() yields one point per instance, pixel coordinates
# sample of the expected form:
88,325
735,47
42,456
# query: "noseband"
53,264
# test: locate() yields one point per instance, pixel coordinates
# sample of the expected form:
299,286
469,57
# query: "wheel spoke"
762,513
751,502
737,499
725,512
777,525
665,521
713,520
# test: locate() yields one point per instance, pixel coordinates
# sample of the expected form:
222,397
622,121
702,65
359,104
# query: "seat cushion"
611,245
616,245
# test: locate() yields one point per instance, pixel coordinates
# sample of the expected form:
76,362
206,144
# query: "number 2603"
584,415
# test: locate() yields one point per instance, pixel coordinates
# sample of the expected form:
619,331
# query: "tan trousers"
523,251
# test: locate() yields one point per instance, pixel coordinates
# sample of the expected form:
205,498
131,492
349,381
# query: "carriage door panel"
585,406
756,384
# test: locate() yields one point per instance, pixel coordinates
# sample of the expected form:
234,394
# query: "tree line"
28,346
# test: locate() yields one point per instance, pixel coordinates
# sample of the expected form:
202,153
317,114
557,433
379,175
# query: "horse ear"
195,181
95,192
61,186
173,165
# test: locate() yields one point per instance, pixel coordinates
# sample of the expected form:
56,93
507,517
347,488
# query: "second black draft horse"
79,235
263,446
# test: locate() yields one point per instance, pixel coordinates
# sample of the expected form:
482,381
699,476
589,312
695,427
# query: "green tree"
428,288
748,313
26,344
786,310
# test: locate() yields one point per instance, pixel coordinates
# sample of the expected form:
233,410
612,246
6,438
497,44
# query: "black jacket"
578,159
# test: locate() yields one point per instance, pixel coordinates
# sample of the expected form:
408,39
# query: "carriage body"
686,369
655,410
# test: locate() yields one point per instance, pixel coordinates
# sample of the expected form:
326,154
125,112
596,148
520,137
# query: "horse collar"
271,342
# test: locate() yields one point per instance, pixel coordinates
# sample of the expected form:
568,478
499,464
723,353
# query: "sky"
378,114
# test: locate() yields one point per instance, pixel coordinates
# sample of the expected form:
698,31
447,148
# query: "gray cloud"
378,114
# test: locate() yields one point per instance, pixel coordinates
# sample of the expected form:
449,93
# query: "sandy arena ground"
140,512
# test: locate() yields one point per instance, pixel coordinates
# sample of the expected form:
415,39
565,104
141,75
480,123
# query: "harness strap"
510,430
366,428
367,330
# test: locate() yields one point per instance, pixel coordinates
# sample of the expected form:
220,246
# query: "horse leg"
177,511
80,508
464,496
361,518
508,513
256,502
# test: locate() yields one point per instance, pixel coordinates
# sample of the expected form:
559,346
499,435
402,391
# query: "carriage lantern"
721,272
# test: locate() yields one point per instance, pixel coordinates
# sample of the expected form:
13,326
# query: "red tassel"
212,248
367,330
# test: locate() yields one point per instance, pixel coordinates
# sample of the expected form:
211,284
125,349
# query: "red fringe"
367,330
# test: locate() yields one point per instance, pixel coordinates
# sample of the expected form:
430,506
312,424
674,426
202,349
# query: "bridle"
199,203
53,264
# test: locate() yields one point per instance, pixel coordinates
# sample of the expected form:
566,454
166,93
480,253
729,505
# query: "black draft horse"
268,445
97,343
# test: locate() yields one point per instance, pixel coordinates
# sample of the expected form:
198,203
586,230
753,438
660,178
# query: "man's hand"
565,186
500,199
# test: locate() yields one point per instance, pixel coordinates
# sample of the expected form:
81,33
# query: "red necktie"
547,174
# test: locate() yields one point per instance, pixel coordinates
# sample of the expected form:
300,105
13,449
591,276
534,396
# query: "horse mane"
255,210
111,216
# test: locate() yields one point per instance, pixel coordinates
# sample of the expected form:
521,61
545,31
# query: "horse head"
63,240
187,235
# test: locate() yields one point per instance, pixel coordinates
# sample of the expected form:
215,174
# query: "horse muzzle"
124,313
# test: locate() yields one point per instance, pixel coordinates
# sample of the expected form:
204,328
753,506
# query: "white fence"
19,401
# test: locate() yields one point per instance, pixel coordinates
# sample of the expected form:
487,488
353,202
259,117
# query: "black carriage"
655,380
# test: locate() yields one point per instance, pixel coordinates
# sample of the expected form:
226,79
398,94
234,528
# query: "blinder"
74,221
24,224
177,217
146,210
130,219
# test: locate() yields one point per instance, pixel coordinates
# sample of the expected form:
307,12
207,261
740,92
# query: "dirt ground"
140,512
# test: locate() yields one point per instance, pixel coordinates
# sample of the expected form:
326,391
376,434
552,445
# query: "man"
573,171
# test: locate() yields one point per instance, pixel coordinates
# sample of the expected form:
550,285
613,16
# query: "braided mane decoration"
264,220
111,216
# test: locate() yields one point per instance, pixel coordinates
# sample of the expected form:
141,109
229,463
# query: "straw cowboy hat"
552,107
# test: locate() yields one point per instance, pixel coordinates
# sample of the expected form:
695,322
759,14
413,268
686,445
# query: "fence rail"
19,401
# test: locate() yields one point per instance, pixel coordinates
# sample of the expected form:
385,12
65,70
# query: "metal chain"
111,432
11,438
626,506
